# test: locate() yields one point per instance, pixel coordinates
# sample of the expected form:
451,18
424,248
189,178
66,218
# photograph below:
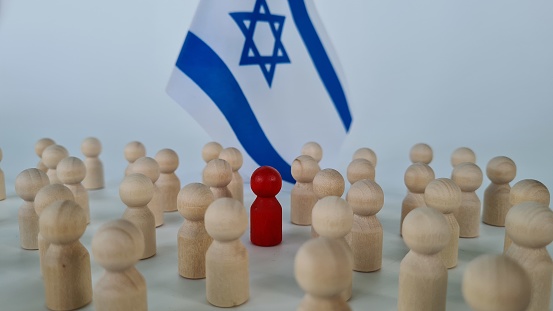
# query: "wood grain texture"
234,157
367,154
91,149
468,176
359,169
40,145
168,183
132,152
51,156
149,167
501,171
462,155
217,174
302,197
422,153
327,182
416,178
71,172
313,149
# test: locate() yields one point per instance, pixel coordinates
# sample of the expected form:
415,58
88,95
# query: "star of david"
250,54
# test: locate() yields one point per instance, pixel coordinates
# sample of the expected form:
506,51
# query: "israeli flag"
261,75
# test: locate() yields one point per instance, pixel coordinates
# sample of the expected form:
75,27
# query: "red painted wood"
266,211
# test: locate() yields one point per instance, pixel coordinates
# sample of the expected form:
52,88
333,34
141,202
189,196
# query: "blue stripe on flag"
320,59
199,62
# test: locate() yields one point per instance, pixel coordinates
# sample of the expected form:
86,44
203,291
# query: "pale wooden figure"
226,261
192,238
40,145
422,273
367,154
71,172
526,190
168,182
327,182
211,151
117,246
366,198
421,153
27,185
530,226
416,178
2,180
217,174
444,195
333,218
501,171
323,270
302,196
462,155
359,169
91,148
496,283
133,151
136,190
313,150
51,156
149,167
468,176
66,264
44,197
234,157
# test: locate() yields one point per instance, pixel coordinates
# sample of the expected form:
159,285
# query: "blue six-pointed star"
247,22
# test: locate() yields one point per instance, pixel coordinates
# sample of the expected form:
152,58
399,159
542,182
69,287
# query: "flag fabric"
262,76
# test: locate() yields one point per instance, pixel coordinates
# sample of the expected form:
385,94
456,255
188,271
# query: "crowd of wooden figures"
347,235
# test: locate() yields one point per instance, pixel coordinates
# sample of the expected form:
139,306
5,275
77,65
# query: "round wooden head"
233,156
468,176
529,190
443,194
117,245
91,147
136,190
29,182
501,170
62,222
365,197
421,153
147,167
71,170
41,144
50,194
134,151
417,176
217,173
168,161
322,267
332,217
193,200
530,224
52,155
304,169
211,151
462,155
226,219
313,150
359,169
496,283
365,153
266,181
328,182
425,231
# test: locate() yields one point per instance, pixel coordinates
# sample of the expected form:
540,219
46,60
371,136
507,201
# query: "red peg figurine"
266,212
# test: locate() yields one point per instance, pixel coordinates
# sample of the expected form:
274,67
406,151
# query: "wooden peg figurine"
227,277
327,182
91,148
530,226
302,196
421,153
416,178
266,212
234,157
40,145
217,174
496,282
27,185
117,246
444,195
367,154
67,275
51,156
323,270
461,155
2,180
149,167
193,240
313,150
211,151
136,190
366,198
468,176
526,190
71,172
168,183
501,171
422,273
359,169
133,151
